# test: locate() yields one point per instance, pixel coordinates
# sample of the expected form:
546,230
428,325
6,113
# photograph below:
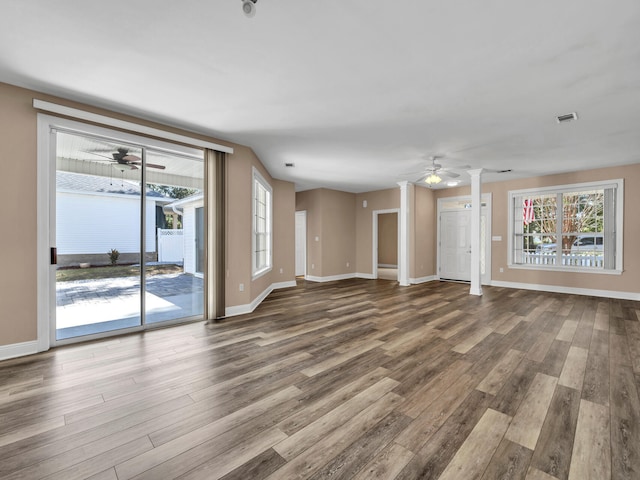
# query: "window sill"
260,273
544,268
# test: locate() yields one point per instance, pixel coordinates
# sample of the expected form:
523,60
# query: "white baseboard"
250,307
387,265
569,290
18,350
331,278
279,285
366,276
430,278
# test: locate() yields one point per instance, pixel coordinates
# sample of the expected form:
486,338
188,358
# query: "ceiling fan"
125,161
435,172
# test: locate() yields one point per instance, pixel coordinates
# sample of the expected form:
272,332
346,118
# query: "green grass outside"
112,271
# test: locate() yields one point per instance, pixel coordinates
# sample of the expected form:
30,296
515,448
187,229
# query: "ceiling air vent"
288,164
567,117
504,171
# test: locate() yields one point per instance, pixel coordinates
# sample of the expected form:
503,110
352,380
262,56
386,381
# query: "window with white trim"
262,225
571,227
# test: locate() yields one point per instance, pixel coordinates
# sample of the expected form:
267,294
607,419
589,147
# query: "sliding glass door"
126,234
174,286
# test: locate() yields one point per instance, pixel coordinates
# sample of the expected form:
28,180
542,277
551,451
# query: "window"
262,214
571,227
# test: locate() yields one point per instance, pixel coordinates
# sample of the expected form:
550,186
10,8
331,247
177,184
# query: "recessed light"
568,117
452,183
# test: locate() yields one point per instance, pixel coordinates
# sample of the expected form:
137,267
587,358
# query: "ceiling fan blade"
131,158
139,162
447,173
99,155
155,165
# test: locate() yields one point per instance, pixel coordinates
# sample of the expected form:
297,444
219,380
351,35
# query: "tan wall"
310,202
423,261
629,281
378,200
388,239
330,219
284,225
18,240
18,162
338,232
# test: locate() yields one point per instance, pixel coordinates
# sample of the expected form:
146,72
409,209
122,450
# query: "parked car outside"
546,248
588,244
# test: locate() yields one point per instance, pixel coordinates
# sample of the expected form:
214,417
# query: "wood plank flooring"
357,379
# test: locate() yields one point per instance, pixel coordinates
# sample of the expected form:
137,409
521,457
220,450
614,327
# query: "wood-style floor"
357,379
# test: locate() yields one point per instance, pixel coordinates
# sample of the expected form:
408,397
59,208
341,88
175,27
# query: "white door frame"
301,214
374,244
486,199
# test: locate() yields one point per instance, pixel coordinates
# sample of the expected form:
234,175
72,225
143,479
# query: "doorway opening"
386,240
301,243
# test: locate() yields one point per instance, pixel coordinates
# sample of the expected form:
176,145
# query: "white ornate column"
476,209
403,225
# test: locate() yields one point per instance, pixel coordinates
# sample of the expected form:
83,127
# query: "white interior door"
301,243
455,245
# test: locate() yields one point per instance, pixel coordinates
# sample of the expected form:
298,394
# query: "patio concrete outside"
93,306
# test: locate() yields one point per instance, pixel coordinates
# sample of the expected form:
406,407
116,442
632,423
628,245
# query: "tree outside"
582,212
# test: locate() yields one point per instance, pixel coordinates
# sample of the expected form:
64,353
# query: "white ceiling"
356,93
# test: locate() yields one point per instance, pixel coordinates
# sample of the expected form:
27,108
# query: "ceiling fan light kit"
432,179
124,166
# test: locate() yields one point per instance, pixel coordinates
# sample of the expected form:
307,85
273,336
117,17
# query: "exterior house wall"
189,238
94,224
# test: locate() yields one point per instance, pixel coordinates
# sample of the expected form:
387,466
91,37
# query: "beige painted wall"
388,239
18,162
330,219
423,261
338,232
18,239
284,237
629,281
239,229
310,202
